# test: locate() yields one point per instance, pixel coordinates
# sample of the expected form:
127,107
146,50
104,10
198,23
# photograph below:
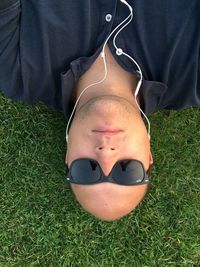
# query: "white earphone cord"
97,82
119,52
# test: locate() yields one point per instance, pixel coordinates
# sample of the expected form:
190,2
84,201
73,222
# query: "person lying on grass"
51,51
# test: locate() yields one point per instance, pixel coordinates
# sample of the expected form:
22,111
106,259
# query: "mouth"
107,131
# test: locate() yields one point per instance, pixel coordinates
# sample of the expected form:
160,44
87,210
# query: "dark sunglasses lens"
85,171
128,172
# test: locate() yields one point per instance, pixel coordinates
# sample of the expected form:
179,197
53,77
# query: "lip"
107,131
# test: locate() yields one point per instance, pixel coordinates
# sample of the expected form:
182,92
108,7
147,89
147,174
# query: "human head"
91,136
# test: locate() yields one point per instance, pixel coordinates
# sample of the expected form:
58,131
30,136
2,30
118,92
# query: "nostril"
100,148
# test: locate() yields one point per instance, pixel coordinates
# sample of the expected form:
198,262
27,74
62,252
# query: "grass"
42,225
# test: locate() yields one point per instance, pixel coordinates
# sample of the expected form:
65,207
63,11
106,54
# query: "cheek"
140,149
78,148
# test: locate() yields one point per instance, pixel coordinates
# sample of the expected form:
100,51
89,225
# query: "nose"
106,155
106,145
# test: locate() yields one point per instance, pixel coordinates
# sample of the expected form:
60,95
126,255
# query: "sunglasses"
124,172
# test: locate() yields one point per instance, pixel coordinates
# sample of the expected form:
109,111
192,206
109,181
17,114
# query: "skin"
109,105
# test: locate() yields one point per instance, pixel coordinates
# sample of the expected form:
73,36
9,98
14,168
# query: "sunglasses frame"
108,178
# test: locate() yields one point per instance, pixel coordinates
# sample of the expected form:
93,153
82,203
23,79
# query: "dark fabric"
6,3
45,46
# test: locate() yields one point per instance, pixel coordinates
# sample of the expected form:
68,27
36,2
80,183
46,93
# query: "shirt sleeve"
9,46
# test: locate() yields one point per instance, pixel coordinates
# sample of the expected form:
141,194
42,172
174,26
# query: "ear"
66,157
150,158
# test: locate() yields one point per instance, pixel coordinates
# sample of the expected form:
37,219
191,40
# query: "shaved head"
108,127
108,201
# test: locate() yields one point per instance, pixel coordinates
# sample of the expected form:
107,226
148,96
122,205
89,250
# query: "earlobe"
150,158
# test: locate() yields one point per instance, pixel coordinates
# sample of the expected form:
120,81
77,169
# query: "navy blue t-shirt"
46,45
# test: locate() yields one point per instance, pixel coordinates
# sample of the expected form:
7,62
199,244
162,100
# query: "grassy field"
42,225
